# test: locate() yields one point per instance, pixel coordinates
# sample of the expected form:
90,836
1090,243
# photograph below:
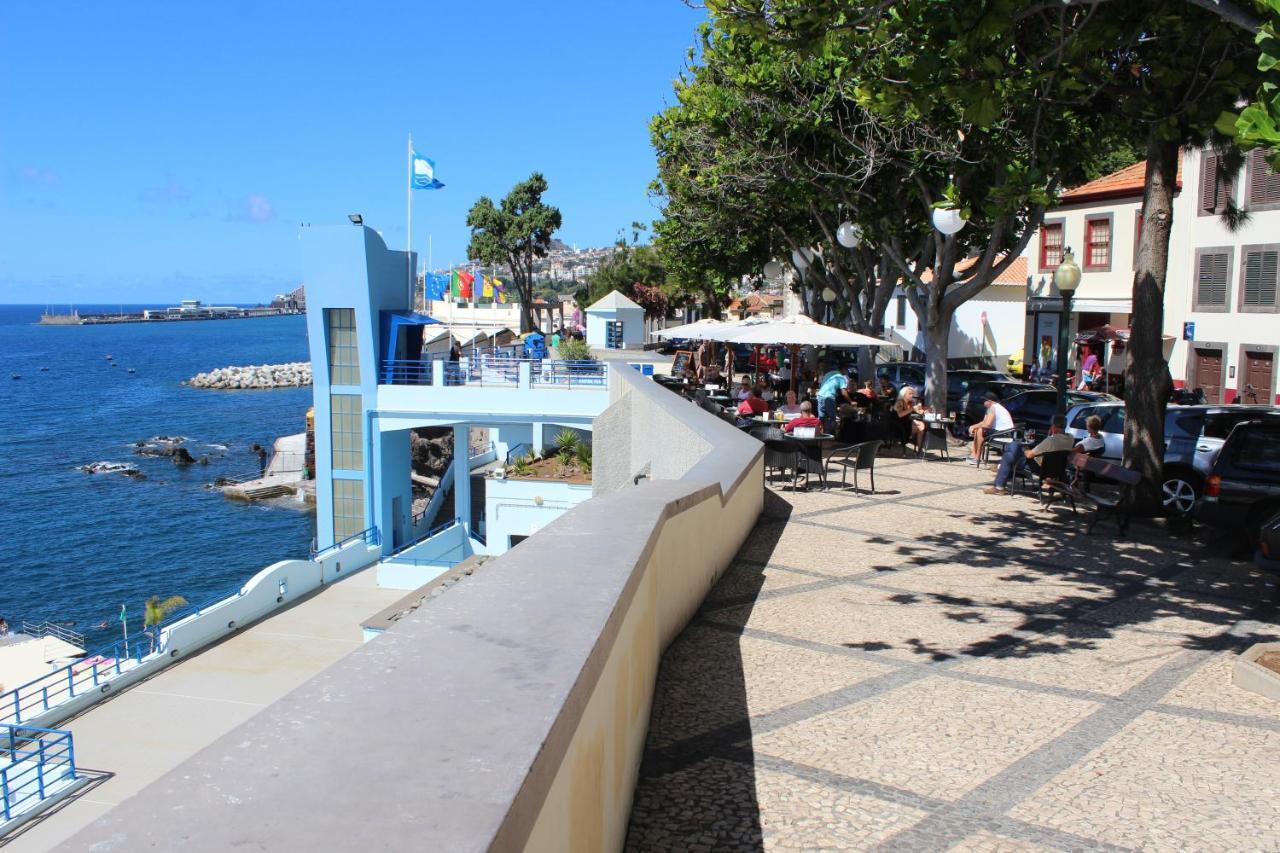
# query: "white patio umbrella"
798,331
692,331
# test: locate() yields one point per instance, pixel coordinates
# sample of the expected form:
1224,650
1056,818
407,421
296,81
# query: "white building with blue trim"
375,382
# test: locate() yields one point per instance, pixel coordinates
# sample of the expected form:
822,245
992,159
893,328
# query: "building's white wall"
1232,328
633,326
523,507
988,326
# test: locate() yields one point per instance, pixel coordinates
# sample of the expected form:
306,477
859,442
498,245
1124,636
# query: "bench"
1100,469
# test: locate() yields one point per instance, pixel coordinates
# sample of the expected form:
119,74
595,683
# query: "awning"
1102,306
402,334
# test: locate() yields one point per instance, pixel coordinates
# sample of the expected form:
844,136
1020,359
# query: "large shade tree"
515,232
1165,72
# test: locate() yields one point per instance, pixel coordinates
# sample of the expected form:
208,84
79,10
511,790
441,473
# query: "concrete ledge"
511,714
1247,673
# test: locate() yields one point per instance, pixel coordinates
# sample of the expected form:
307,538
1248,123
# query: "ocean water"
75,546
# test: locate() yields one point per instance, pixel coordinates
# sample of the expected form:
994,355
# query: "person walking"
829,391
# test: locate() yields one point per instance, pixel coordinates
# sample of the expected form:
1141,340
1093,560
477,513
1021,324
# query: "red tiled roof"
1129,181
1015,273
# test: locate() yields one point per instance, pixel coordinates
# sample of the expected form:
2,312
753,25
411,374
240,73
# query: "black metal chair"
998,441
780,453
1054,484
859,457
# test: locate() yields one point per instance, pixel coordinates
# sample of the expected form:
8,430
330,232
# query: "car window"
1220,424
911,374
1078,422
1182,425
957,385
1114,421
1258,449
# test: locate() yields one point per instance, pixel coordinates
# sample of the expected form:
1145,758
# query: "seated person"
752,406
909,428
743,391
1057,441
790,407
711,374
806,419
868,390
886,388
766,393
996,420
1092,443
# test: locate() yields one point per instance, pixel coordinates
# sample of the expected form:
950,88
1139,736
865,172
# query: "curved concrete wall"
508,714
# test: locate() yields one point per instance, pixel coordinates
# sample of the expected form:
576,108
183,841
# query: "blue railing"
73,679
197,609
588,373
435,531
33,763
496,371
369,535
53,629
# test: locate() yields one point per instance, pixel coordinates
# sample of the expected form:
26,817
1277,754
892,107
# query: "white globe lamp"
948,220
798,261
849,235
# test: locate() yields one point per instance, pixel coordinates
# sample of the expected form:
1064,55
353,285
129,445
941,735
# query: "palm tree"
155,610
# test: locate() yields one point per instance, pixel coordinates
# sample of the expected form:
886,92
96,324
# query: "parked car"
968,406
1015,364
902,373
1036,408
1193,437
1267,557
1243,489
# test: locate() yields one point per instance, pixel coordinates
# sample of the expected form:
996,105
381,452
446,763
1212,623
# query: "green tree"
515,233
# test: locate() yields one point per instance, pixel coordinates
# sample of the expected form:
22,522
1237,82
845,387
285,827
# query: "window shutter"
1260,279
1209,182
1264,186
1211,287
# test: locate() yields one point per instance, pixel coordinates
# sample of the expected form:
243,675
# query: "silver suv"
1193,435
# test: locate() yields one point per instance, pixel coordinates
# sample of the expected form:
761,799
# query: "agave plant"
566,457
522,466
584,457
566,439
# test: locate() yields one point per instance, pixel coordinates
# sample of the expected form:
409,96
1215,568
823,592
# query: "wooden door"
1208,373
1258,373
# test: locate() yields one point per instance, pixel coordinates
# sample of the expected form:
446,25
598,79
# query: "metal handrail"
196,609
38,758
435,531
495,371
72,679
369,535
46,628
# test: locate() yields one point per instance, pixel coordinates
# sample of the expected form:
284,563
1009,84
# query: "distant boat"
44,369
17,376
131,370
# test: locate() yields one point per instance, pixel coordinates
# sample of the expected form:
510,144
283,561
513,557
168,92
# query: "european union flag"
424,173
437,285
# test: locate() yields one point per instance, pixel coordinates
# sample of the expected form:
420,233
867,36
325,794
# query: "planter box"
1251,675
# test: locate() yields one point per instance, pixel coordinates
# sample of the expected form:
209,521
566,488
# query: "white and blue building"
375,382
615,322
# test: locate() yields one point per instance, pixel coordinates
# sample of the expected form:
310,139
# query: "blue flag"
437,285
424,173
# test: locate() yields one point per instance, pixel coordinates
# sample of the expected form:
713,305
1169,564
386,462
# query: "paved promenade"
132,739
931,668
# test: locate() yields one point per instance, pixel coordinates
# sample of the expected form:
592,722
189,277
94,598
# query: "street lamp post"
1067,278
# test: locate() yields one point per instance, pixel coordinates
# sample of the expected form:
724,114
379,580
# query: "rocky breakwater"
294,375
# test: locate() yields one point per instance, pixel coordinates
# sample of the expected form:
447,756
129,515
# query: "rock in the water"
294,375
182,457
113,468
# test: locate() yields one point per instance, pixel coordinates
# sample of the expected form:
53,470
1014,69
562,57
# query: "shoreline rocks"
294,375
113,468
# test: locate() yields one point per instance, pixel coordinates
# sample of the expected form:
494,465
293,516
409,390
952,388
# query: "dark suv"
1243,489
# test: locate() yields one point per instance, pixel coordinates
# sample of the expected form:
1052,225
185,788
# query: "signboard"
1189,331
1045,356
681,361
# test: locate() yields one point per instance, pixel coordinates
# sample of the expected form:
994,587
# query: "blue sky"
159,151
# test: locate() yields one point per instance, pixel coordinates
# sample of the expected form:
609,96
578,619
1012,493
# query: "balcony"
496,372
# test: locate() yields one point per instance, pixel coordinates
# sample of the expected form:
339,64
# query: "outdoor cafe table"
935,435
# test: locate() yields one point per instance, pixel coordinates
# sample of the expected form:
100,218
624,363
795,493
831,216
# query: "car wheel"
1179,495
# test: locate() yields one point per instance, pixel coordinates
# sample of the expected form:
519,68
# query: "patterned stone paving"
932,668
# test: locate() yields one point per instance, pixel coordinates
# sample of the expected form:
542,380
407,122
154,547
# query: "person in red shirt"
753,405
806,419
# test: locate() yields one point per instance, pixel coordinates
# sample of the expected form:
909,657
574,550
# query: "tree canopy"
514,233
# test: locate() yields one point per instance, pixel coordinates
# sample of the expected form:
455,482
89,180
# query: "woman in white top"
743,391
790,407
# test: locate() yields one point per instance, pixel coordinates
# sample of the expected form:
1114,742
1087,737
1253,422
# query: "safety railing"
44,629
418,540
35,765
369,535
571,374
73,679
497,371
194,610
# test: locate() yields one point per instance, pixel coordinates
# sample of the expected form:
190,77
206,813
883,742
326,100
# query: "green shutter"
1260,279
1211,286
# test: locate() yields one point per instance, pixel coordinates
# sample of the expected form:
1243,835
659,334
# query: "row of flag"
460,284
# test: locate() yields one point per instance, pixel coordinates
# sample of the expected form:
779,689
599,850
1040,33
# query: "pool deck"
134,738
932,668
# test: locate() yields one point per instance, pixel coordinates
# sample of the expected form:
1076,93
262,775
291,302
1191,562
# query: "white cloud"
252,208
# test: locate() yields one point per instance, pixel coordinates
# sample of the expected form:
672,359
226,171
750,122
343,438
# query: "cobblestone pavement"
932,668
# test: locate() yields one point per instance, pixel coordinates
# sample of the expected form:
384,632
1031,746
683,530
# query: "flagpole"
408,226
425,301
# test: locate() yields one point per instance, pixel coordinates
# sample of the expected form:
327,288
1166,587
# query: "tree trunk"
1147,380
937,340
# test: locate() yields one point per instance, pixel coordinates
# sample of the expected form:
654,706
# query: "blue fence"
496,371
53,688
35,764
369,535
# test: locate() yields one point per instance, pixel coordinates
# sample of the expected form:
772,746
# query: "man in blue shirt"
833,383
